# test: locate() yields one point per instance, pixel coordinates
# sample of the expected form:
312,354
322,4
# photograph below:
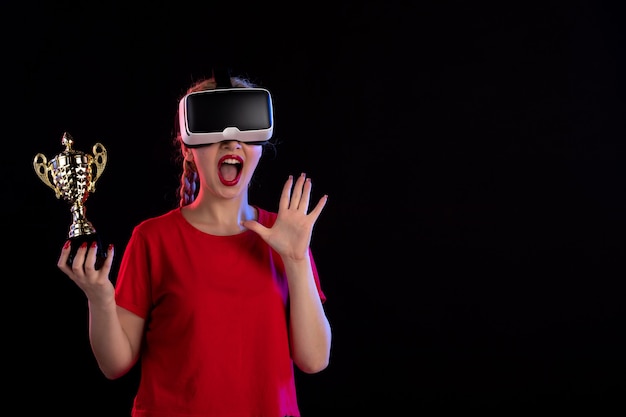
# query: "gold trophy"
72,175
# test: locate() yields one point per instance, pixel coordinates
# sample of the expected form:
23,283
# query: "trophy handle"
99,160
42,170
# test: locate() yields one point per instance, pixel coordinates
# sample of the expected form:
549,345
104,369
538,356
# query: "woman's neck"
221,219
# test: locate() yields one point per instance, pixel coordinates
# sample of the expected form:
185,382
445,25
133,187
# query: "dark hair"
189,181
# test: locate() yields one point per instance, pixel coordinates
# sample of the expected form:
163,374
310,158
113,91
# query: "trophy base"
101,253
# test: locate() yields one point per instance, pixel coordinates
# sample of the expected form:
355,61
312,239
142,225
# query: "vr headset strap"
222,77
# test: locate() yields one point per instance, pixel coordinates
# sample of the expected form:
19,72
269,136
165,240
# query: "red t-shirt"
216,310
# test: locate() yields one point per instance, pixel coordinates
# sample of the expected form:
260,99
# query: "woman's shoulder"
159,222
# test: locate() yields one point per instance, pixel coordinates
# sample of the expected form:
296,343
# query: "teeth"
231,161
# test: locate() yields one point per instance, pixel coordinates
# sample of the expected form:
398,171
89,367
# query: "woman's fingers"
297,192
78,262
108,262
317,210
85,259
297,195
65,254
90,257
286,194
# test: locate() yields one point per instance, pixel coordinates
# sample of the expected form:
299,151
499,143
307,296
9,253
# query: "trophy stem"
82,231
80,225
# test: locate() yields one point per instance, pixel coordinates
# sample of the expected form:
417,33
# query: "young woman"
218,298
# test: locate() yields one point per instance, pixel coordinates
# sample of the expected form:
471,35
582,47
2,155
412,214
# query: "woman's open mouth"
229,170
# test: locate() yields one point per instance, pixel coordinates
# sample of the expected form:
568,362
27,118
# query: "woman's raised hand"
290,235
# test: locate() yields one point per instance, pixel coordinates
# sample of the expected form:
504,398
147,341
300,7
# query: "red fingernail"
83,245
67,244
93,245
110,246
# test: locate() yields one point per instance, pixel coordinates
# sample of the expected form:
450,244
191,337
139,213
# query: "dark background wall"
472,249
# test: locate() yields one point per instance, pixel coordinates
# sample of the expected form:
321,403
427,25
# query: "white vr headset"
211,116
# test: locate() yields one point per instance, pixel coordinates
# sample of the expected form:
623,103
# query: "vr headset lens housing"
242,114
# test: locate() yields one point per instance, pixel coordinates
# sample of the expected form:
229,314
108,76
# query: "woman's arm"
309,327
290,236
115,334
